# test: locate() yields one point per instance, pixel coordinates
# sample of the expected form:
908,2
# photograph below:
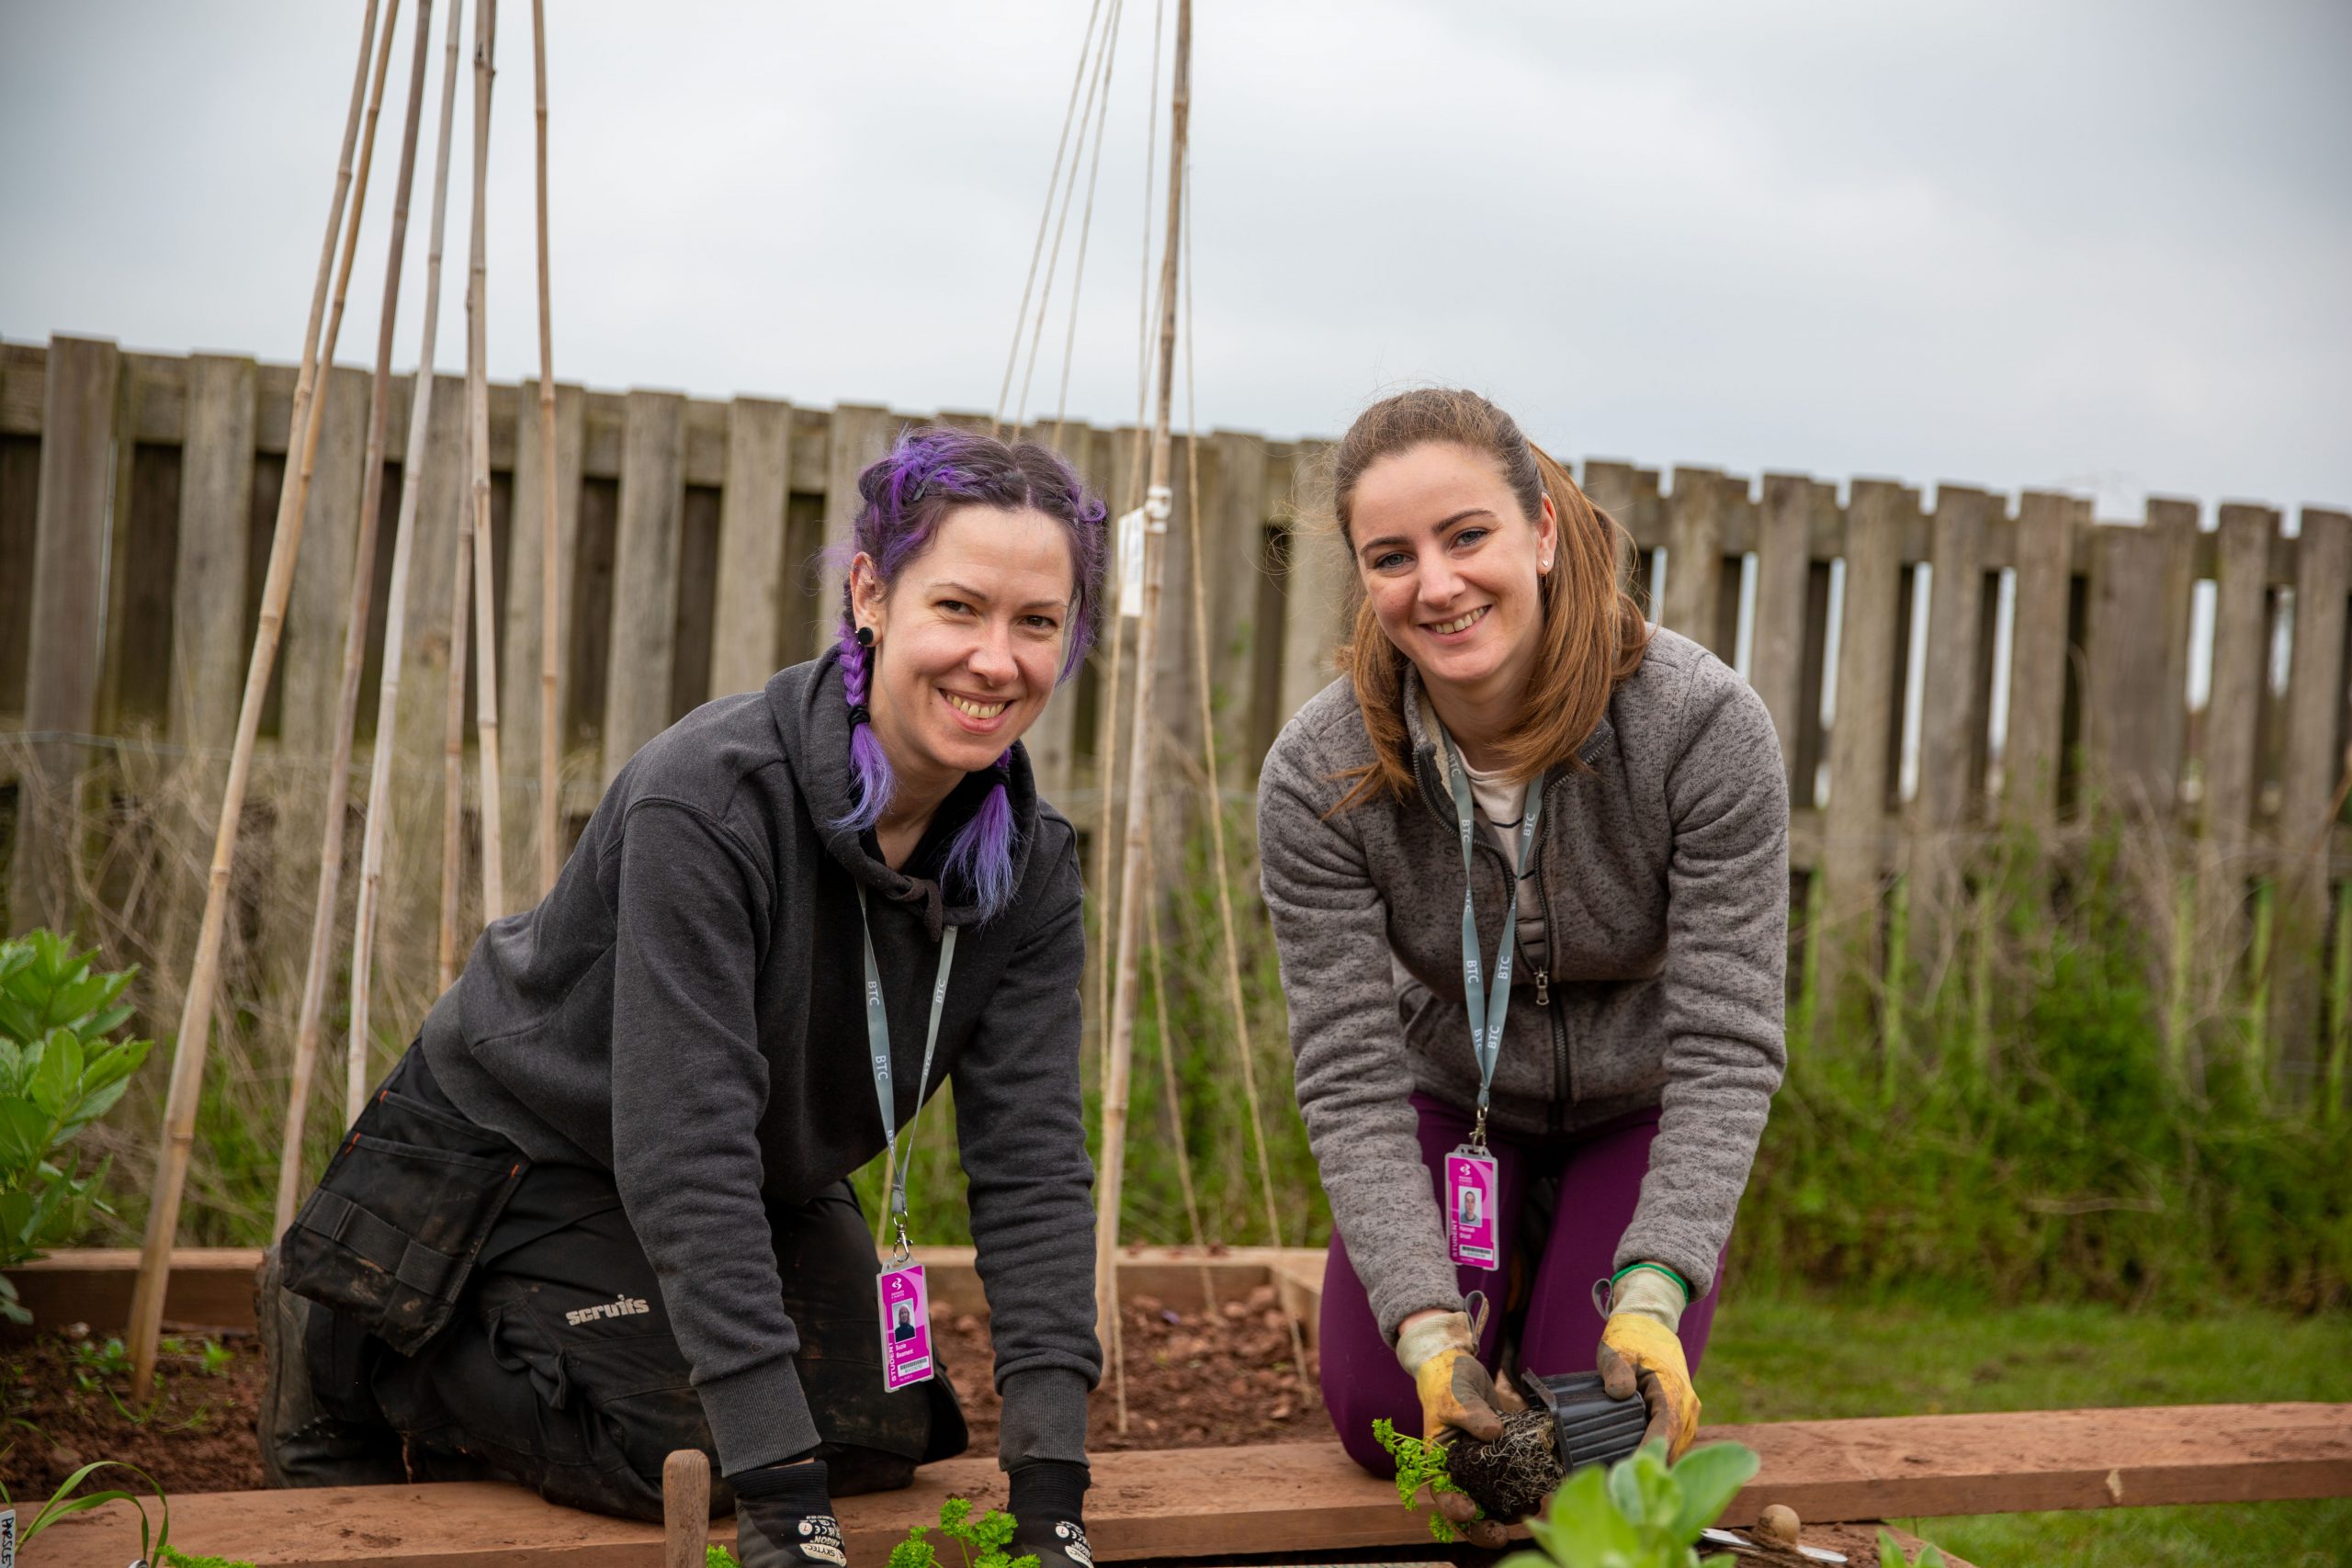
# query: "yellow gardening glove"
1441,1351
1458,1395
1639,1353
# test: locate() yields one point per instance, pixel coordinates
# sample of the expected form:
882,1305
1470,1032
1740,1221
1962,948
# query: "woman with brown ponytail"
1525,804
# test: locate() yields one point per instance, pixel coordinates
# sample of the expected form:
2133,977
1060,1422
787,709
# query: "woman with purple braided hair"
600,1210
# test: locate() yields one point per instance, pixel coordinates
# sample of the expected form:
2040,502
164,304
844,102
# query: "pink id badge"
1470,1206
906,1325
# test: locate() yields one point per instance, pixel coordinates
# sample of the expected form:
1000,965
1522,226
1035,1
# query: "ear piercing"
865,637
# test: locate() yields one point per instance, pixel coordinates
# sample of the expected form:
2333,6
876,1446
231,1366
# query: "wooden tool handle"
685,1508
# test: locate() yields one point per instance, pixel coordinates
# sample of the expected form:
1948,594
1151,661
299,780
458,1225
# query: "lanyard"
878,1037
1485,1022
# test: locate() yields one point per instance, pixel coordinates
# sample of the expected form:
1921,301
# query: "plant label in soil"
1470,1206
7,1537
906,1325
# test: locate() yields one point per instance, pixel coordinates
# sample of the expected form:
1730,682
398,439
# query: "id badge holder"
1470,1187
906,1325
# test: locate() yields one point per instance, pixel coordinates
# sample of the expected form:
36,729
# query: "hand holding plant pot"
1640,1351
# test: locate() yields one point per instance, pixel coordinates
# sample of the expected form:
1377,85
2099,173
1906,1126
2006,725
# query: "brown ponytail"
1592,633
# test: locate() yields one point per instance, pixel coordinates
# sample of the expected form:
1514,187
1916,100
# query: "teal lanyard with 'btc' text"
877,1039
1485,1018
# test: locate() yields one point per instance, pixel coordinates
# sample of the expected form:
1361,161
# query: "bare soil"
1195,1380
66,1400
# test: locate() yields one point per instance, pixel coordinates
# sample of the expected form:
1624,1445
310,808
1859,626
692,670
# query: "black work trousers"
560,1371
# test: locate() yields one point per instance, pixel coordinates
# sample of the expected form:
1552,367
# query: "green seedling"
173,1557
213,1357
1640,1512
1420,1463
154,1540
981,1539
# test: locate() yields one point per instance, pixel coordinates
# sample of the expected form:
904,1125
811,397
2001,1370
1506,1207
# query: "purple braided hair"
931,471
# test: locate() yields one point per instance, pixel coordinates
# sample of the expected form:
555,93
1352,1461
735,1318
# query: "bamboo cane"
302,435
355,655
550,766
494,837
379,771
453,730
1234,997
1131,889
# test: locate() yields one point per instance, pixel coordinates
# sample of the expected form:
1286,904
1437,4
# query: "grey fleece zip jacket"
686,1010
1664,872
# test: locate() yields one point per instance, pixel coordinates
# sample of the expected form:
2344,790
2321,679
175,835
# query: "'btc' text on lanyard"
1487,1014
877,1036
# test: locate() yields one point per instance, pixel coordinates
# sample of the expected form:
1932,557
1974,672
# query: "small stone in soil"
1510,1477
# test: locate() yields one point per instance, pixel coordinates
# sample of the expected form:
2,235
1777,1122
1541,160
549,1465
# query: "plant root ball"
1778,1524
1511,1476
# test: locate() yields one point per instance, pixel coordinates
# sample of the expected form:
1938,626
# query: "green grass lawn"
1791,1358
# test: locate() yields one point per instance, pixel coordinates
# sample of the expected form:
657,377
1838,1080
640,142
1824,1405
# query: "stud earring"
865,637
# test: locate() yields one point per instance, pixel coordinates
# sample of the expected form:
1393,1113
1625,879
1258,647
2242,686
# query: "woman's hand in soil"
784,1516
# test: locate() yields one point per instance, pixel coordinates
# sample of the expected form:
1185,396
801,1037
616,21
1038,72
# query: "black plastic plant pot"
1591,1427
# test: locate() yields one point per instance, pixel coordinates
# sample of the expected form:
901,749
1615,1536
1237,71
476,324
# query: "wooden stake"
303,436
1131,891
685,1494
493,839
550,765
412,468
354,655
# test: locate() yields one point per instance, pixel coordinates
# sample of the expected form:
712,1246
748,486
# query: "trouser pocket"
389,1236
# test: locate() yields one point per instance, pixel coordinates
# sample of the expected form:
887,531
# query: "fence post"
2031,762
518,648
1854,822
412,845
2310,776
642,655
1694,557
748,613
1315,603
1783,575
2233,722
1952,727
79,407
861,434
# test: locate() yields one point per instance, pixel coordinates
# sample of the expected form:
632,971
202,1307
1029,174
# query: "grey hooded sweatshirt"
686,1010
1663,868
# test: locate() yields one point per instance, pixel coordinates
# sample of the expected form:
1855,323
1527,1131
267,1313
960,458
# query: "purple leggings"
1600,1178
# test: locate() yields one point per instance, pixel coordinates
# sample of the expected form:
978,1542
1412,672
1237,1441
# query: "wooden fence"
137,493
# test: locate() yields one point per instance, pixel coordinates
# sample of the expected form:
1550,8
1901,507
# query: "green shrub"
59,1072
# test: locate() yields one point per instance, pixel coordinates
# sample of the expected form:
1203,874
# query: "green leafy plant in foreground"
154,1542
59,1072
1890,1555
981,1539
1640,1512
173,1557
1420,1463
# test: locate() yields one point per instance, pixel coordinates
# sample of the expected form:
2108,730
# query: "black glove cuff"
802,1487
1046,1489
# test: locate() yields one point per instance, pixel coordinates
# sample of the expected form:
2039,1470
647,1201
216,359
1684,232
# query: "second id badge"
906,1325
1470,1207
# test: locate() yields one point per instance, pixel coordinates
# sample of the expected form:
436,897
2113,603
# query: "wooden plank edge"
1207,1501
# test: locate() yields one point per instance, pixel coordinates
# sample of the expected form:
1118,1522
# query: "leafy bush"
59,1072
1640,1512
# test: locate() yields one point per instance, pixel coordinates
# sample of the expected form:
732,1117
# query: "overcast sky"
2103,246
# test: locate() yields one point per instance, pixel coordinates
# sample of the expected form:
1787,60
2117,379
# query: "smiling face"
968,641
1452,565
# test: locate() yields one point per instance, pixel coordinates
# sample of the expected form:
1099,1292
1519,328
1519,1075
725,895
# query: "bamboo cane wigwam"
196,1018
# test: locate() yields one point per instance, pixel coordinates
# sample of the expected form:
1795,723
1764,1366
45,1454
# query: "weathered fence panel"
699,548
